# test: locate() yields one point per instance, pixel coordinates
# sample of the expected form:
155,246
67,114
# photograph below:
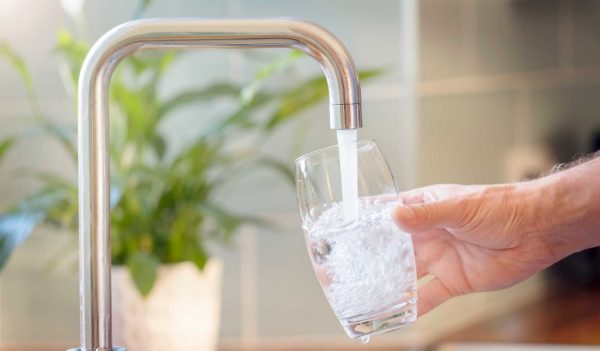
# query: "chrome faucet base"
93,123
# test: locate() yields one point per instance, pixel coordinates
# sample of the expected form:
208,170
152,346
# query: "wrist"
568,209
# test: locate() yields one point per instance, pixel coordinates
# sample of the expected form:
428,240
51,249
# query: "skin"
489,237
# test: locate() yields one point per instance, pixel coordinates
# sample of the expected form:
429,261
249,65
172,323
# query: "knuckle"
468,210
425,214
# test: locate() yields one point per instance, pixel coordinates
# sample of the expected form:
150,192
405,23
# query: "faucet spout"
93,123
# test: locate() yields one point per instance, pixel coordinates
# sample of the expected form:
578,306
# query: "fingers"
436,192
431,193
431,295
428,216
430,248
416,196
422,257
421,272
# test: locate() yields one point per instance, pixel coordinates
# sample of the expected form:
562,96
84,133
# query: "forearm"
569,203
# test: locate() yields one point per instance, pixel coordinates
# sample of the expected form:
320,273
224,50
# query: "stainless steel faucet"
93,138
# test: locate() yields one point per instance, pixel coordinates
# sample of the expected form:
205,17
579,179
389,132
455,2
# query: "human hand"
476,238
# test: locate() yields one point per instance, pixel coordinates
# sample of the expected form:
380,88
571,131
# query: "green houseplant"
163,206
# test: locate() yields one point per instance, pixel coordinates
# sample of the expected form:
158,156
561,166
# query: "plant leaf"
15,227
225,223
141,8
370,73
306,95
53,129
143,267
65,136
17,224
196,254
5,145
154,62
56,202
46,178
279,65
160,145
19,64
197,95
73,50
297,100
281,167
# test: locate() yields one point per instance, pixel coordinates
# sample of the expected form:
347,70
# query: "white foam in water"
349,171
363,266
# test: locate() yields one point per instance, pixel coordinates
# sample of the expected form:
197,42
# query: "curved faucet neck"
157,34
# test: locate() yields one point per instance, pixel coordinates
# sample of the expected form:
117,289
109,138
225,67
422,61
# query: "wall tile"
103,15
463,138
41,305
566,117
442,40
379,46
34,43
290,300
230,287
517,35
586,31
385,122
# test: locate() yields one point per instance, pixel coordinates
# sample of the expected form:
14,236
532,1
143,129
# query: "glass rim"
331,147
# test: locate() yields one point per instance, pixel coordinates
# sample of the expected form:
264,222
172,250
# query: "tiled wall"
503,75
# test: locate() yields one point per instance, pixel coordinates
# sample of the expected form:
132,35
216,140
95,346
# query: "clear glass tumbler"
366,266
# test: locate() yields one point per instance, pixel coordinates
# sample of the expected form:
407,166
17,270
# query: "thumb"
427,216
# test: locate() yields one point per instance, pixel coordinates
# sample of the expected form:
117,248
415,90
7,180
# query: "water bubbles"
320,249
369,263
364,340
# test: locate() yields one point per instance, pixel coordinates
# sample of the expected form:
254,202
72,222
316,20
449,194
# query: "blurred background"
471,91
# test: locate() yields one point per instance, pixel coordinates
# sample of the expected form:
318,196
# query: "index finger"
432,193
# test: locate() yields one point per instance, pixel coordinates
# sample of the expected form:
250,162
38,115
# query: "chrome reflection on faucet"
93,121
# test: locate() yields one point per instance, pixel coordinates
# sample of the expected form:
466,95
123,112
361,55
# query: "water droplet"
364,339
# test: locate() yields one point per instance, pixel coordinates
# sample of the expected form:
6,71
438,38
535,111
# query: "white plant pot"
181,313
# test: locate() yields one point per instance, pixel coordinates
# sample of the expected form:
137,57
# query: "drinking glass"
365,265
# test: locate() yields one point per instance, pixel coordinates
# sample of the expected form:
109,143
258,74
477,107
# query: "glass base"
390,318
